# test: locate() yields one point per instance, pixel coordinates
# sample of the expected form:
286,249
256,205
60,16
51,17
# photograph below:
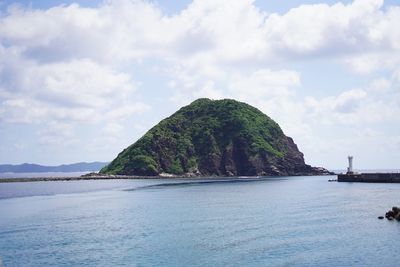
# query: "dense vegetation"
212,137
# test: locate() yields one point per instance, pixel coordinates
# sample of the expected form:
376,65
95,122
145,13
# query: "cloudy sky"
81,80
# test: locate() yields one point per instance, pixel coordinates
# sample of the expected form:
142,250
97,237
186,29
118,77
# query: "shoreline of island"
136,177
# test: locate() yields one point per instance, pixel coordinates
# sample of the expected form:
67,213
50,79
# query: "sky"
82,80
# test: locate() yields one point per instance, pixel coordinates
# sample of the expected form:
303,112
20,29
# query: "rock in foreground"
394,213
214,138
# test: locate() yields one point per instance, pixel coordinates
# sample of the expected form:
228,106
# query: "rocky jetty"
214,138
393,214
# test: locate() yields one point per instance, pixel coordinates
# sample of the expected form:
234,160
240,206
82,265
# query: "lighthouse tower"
350,168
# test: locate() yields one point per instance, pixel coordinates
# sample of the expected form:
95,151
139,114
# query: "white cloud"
77,90
380,85
126,110
70,32
113,129
353,107
209,91
208,37
109,138
264,83
348,101
217,31
56,133
369,62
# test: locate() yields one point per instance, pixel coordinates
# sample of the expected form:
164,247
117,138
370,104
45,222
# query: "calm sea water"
303,221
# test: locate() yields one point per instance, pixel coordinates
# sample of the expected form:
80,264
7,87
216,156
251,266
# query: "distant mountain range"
75,167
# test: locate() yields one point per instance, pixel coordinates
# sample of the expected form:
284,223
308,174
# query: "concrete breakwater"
370,177
75,178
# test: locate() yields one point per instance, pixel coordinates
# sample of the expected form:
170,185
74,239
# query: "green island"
213,138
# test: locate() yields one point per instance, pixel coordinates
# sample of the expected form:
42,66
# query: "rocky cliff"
217,138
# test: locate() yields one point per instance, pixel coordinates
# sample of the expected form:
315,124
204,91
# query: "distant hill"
75,167
214,137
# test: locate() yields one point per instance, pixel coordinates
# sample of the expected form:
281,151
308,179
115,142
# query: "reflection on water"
177,183
302,221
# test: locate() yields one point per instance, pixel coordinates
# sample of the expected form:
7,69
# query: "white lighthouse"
350,168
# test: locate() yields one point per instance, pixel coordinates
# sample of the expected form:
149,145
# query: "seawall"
370,177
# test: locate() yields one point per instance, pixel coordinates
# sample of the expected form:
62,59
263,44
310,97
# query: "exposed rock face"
217,138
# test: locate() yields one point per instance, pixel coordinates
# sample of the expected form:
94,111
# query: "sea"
287,221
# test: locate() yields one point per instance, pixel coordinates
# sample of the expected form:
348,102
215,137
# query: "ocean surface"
301,221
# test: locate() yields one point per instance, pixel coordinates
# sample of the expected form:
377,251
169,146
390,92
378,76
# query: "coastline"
134,177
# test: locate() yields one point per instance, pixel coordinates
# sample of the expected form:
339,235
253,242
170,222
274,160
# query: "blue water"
303,221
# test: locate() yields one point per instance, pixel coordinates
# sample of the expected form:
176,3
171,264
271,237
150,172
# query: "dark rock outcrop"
394,213
214,138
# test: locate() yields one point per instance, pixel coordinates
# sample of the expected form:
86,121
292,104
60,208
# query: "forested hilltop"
217,138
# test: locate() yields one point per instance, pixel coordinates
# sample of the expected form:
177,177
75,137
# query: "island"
213,138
